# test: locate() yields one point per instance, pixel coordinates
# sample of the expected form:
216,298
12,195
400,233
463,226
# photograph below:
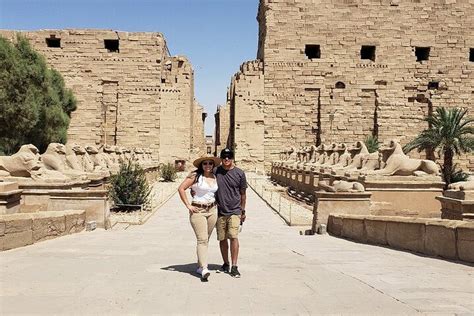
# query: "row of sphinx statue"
389,160
62,163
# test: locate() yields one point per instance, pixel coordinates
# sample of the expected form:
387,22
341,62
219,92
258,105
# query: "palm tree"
450,132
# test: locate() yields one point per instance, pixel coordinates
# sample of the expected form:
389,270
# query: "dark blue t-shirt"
230,183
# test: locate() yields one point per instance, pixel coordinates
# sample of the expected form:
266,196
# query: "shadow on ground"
190,268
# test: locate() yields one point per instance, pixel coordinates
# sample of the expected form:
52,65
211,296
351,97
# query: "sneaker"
199,271
205,274
235,272
224,269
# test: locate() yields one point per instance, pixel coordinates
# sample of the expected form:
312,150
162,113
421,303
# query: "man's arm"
243,200
243,195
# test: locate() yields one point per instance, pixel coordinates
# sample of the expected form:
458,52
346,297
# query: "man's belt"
203,205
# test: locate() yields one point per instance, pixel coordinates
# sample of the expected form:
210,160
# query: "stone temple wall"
342,70
198,142
246,99
222,128
129,90
177,106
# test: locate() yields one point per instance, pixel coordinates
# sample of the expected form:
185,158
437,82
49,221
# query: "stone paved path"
149,270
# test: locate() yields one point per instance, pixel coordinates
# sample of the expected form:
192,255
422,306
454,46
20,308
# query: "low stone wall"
444,238
94,202
327,203
18,230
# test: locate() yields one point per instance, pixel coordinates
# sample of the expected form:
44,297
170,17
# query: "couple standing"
218,201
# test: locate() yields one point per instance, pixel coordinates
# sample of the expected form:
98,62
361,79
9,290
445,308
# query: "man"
231,200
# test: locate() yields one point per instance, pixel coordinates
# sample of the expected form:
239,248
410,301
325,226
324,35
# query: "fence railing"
290,211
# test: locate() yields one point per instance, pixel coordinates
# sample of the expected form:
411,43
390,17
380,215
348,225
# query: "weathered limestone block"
15,240
440,239
17,231
94,202
376,231
10,196
48,226
404,195
444,238
326,203
406,234
456,204
334,225
353,228
75,221
465,242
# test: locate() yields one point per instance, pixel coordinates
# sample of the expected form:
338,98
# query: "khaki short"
227,227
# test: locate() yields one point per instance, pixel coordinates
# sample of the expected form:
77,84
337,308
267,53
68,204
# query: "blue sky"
216,35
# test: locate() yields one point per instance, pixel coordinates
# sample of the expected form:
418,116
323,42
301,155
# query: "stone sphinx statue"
320,156
301,157
24,163
397,163
84,158
462,185
54,158
72,160
332,156
127,154
342,186
313,154
149,157
344,157
357,151
371,162
98,160
120,154
109,155
290,157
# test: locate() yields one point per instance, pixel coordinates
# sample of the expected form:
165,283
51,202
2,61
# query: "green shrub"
35,106
458,175
450,131
129,187
372,143
168,172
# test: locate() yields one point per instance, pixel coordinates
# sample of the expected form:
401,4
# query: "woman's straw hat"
197,162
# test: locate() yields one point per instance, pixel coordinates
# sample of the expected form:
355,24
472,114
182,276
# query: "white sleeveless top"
203,192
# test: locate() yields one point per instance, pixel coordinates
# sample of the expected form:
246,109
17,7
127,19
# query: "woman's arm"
182,192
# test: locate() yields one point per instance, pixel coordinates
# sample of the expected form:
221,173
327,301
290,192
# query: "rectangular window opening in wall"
53,42
471,55
367,52
422,53
163,80
312,51
433,85
112,45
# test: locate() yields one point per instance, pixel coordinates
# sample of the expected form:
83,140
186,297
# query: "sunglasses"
206,163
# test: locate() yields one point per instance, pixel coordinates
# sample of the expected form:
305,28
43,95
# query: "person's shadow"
190,268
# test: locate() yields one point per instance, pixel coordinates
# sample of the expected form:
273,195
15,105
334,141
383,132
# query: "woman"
202,209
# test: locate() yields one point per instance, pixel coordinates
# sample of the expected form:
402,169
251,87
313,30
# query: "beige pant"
203,223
